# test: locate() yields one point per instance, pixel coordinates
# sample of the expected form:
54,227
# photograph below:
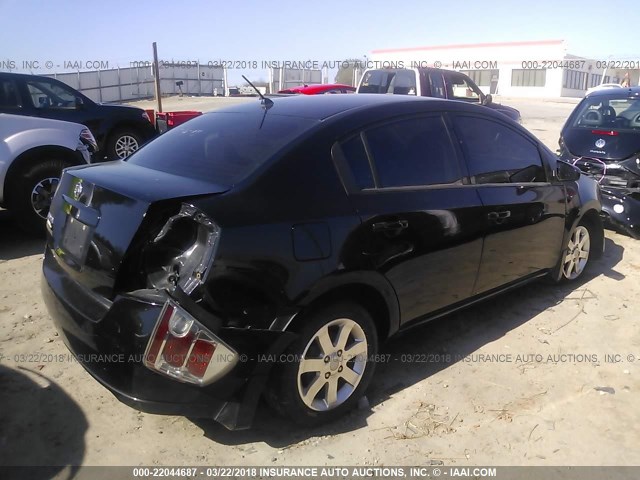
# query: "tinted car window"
497,154
8,94
223,147
403,83
356,157
413,152
375,81
46,94
437,85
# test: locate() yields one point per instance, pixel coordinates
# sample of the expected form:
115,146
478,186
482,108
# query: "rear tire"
326,370
31,193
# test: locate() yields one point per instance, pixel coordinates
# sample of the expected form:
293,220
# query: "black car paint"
617,168
103,120
305,244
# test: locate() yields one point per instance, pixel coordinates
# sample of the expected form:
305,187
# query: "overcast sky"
119,32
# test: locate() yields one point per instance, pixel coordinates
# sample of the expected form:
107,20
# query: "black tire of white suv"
31,192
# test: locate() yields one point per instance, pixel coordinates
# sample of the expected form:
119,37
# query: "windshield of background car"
399,82
221,147
609,112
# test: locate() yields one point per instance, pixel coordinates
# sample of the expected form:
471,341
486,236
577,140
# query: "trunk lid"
97,211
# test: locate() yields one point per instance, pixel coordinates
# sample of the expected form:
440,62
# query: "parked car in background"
603,86
119,130
320,89
602,138
276,244
430,82
33,152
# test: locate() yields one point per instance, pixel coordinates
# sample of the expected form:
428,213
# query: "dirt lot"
552,398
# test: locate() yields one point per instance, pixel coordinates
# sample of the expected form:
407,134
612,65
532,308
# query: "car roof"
24,75
616,92
320,107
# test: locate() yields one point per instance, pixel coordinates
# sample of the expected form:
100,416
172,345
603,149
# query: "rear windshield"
222,148
609,112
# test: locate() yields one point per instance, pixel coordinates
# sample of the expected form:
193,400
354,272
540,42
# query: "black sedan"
602,138
272,246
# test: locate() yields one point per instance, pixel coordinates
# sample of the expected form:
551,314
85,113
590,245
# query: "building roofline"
471,45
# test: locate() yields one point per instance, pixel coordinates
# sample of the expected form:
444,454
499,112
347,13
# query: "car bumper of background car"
109,341
621,209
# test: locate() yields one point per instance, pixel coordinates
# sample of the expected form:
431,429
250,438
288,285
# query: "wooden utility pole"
156,74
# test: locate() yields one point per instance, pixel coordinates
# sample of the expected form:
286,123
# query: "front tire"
327,369
31,194
122,143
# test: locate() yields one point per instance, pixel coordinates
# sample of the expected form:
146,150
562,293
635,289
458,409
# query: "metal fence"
283,78
136,83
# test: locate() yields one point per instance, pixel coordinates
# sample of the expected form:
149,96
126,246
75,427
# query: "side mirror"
567,172
487,99
79,103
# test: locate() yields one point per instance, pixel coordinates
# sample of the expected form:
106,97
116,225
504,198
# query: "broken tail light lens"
185,350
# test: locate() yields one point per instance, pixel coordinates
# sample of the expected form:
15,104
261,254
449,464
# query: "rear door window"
403,83
399,82
375,81
413,152
356,157
437,85
497,154
9,98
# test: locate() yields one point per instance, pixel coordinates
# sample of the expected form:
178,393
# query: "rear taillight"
182,348
611,133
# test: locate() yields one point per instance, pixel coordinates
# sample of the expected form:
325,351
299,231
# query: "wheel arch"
369,290
28,159
115,127
592,218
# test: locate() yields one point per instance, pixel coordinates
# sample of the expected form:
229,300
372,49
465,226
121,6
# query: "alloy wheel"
42,194
126,145
332,364
577,256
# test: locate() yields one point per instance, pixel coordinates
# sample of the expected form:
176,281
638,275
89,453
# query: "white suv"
33,153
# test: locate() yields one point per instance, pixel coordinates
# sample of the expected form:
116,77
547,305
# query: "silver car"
33,153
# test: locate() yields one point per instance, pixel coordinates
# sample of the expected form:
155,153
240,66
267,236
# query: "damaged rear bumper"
109,340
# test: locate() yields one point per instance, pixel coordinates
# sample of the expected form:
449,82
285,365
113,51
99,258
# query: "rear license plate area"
75,240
